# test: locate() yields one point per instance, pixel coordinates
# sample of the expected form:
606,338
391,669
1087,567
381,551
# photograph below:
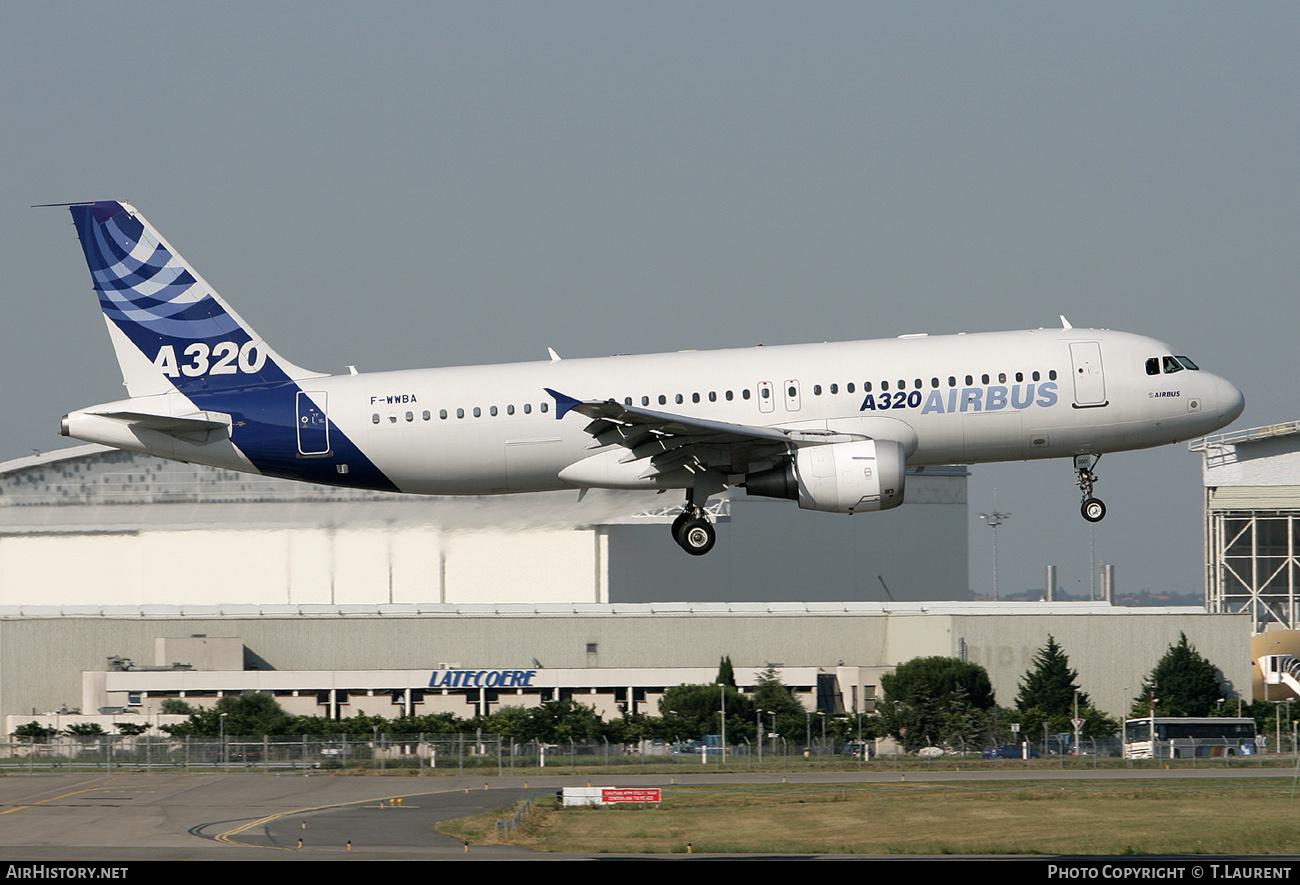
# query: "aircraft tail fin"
170,329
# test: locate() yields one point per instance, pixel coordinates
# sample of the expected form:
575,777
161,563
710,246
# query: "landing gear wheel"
697,536
680,522
1093,510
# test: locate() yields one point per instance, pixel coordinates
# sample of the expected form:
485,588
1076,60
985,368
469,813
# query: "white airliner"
832,426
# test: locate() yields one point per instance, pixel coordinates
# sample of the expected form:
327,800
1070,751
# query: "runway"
150,817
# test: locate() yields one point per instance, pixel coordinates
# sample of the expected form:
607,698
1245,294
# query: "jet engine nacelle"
849,477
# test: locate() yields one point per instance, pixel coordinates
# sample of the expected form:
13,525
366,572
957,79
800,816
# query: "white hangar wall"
301,566
43,652
94,526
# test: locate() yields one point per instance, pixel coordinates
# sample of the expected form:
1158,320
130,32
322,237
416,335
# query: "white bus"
1185,737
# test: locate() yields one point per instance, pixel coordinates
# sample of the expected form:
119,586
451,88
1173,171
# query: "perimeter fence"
497,755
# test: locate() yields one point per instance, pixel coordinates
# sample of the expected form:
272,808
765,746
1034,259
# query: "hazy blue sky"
398,185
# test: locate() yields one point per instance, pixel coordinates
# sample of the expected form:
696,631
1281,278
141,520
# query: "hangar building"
1252,523
96,526
341,600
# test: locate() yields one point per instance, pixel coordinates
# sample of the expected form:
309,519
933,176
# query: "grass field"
1215,817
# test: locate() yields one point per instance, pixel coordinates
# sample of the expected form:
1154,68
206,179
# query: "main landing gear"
692,529
1093,509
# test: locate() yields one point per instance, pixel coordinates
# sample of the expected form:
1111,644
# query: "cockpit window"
1153,366
1187,364
1172,365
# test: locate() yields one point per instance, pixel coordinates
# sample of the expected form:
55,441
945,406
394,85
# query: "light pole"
222,720
993,520
722,692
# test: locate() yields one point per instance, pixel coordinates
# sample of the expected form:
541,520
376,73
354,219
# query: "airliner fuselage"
833,426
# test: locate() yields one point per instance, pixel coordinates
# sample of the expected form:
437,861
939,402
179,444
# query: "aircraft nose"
1232,402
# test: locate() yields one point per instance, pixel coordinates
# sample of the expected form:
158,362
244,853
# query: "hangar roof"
592,610
1256,457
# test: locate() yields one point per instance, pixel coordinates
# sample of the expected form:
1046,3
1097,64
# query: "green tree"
930,700
693,711
85,730
437,723
564,720
726,674
131,729
1183,683
1051,686
772,696
177,707
250,714
35,732
1047,697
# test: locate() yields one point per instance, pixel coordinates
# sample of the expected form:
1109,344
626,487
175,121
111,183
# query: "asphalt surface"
173,816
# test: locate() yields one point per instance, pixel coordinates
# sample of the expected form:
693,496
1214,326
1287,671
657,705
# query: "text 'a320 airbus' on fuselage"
834,426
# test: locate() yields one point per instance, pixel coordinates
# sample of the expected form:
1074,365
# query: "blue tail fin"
170,329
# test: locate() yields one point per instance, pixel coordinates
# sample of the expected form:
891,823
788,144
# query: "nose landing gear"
1093,509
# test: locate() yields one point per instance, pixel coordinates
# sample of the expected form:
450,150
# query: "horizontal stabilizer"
200,422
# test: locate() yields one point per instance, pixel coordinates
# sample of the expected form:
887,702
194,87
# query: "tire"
678,524
1093,510
697,536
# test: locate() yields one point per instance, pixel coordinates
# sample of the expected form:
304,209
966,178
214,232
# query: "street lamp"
993,520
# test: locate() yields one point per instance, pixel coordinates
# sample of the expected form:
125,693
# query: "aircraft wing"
671,441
